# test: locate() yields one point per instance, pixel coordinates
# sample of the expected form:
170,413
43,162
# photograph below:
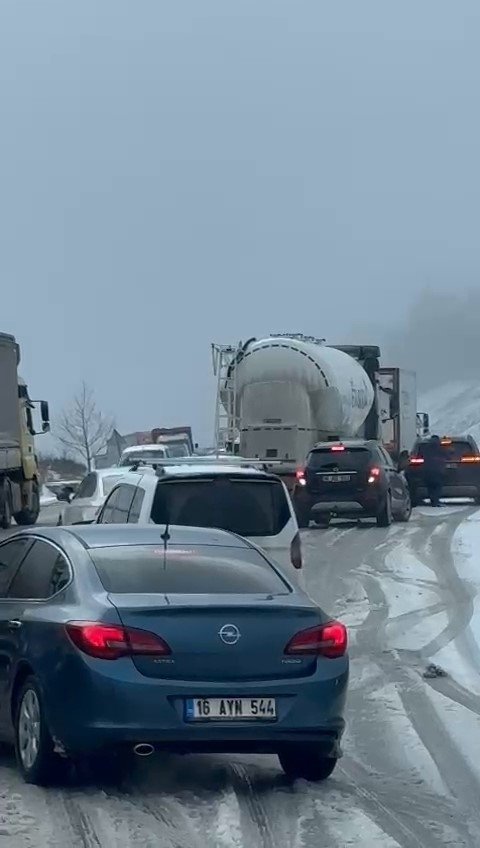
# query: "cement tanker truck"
280,395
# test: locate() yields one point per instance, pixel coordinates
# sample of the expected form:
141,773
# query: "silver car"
90,495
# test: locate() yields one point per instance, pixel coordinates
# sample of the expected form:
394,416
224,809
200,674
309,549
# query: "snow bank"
454,408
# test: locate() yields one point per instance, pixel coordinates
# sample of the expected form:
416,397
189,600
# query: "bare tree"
82,428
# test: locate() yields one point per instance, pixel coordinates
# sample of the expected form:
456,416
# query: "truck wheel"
29,516
6,519
385,517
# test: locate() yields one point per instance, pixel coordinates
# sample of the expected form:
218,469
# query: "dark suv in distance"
355,479
461,477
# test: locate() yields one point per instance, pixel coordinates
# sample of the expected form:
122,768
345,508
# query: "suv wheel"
406,512
385,517
303,516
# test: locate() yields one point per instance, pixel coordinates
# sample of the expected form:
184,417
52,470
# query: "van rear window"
351,459
247,507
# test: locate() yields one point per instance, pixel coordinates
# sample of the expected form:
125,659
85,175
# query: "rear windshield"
351,459
205,570
453,450
246,507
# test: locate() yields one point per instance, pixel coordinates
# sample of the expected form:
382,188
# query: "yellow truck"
19,478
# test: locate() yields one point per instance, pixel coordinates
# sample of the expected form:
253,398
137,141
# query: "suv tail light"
416,460
109,642
374,474
470,459
337,448
300,476
325,640
296,551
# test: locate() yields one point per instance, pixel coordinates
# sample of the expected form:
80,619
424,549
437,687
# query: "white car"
234,497
147,454
90,495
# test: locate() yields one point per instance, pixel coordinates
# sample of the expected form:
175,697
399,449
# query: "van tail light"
296,551
416,460
470,459
374,475
325,640
109,642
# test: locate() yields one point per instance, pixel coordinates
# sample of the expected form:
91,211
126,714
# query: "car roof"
347,443
148,447
109,535
110,472
425,440
185,470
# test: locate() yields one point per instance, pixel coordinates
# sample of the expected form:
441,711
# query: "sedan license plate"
230,709
336,478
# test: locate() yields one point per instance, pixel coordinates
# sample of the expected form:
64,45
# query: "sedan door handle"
14,624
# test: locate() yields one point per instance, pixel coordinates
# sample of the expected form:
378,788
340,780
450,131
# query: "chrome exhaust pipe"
143,749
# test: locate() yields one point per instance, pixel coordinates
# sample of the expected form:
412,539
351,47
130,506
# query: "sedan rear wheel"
34,747
306,764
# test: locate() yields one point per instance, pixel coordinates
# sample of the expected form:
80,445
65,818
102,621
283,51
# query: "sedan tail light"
110,642
325,640
296,551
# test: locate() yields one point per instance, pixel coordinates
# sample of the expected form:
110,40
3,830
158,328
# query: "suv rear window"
247,507
454,450
205,570
351,459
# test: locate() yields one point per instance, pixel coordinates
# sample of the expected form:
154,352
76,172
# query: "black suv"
461,477
355,479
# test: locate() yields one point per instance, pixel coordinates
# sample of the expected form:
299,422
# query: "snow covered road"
411,772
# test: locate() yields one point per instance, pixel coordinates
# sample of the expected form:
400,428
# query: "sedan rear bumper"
101,711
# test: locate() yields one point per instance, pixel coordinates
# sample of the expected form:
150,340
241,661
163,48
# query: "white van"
243,500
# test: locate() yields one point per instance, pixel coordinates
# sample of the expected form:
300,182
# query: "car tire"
323,523
303,514
406,513
385,517
306,764
34,747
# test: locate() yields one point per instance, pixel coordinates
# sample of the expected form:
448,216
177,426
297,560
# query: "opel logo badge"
229,634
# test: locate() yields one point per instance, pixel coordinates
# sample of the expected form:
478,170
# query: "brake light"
325,640
470,459
445,441
296,551
337,448
109,642
416,460
374,475
300,476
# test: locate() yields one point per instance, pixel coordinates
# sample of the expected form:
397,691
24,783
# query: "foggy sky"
177,173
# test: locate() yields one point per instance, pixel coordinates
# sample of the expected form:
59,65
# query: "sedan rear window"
205,570
351,459
247,507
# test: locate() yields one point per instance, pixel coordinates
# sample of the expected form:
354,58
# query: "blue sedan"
117,640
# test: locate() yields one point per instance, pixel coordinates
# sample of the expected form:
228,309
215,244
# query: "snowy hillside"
454,409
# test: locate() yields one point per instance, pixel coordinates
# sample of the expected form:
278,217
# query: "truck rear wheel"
29,516
6,506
